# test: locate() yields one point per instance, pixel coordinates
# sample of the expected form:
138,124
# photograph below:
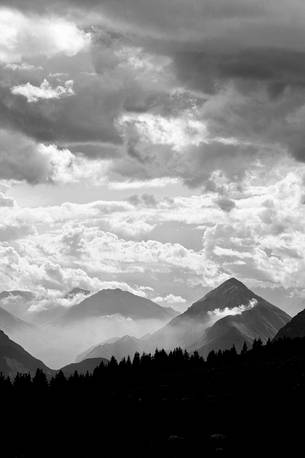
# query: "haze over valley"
117,323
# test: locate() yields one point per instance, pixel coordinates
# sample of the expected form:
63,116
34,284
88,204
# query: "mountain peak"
231,293
232,282
230,286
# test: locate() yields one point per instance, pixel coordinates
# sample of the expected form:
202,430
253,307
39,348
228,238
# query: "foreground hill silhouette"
169,405
15,359
83,367
229,314
294,328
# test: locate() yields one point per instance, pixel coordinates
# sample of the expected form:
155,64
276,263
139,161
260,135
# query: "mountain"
230,298
294,328
115,301
119,348
10,323
229,314
262,320
25,295
14,358
86,365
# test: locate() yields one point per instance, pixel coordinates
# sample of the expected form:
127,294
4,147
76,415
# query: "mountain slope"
115,301
87,365
10,323
294,328
119,348
230,298
229,314
14,358
262,321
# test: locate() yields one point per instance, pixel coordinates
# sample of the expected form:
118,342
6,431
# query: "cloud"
24,159
24,36
177,302
6,201
220,313
225,204
44,91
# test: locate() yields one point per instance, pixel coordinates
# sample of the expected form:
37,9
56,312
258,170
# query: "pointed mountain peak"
228,286
231,293
233,281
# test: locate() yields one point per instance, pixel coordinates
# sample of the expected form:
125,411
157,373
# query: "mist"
59,345
220,313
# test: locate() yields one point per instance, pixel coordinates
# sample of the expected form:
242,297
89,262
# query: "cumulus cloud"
205,94
25,36
24,159
177,302
44,91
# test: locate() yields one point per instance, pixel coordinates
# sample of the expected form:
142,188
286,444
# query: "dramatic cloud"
179,125
24,159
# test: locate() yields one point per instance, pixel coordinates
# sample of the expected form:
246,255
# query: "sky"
157,147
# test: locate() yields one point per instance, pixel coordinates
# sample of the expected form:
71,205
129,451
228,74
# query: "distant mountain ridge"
116,301
26,295
10,323
203,328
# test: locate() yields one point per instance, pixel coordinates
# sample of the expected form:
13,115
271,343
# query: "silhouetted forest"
175,404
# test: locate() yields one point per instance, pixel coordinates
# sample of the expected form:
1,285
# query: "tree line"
172,403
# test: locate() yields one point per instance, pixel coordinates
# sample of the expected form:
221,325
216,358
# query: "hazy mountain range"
9,323
231,314
117,302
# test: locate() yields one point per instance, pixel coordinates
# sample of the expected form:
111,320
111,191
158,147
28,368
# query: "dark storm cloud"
245,57
274,67
87,117
194,165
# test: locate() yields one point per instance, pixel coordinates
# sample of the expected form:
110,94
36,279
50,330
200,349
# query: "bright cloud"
219,313
24,36
44,91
